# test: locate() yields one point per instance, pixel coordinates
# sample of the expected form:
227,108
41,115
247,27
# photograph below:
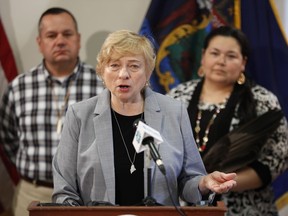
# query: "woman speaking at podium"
96,160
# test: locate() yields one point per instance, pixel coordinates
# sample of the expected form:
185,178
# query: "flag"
9,176
177,30
268,61
268,65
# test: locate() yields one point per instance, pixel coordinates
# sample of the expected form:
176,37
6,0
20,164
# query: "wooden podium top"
35,210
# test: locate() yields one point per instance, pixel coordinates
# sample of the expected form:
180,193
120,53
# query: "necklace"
205,139
132,167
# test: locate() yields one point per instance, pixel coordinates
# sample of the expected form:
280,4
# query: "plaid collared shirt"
30,110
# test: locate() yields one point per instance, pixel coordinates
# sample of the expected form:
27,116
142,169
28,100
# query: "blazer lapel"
154,118
152,113
104,140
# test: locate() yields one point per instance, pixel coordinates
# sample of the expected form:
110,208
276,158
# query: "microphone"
147,136
154,153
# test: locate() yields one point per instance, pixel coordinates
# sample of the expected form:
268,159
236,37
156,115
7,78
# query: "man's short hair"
56,10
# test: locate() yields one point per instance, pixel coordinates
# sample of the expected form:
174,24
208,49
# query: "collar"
63,80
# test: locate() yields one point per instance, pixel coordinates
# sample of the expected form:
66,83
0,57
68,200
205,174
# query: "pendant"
132,168
202,148
59,126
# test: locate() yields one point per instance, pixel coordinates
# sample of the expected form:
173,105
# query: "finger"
228,176
228,185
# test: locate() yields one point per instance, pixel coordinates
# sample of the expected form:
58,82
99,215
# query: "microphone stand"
149,200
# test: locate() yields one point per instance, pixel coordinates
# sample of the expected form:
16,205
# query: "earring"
147,84
103,82
200,72
241,79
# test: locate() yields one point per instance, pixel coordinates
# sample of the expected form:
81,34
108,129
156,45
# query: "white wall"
96,18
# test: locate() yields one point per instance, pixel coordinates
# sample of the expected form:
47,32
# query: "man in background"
33,107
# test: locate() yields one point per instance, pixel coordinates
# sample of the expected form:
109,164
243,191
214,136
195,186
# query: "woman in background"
223,100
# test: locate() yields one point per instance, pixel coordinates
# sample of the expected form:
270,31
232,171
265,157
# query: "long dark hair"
247,103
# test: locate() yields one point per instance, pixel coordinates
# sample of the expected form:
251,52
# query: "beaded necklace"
205,139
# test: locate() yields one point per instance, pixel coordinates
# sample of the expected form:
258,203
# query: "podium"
35,210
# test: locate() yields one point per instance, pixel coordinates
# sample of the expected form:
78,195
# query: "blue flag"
268,61
177,30
268,65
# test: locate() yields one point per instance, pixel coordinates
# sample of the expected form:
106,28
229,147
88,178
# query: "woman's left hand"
217,182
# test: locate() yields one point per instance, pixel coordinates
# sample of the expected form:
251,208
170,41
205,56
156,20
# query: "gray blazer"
83,166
